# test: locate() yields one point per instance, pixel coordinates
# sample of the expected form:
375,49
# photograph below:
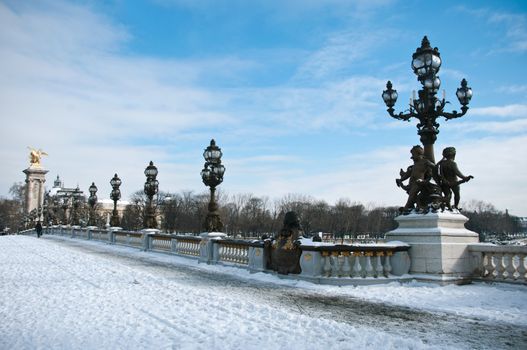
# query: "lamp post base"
439,244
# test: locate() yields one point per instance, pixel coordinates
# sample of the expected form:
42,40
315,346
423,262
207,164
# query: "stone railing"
379,261
499,263
99,235
231,251
320,262
161,243
187,245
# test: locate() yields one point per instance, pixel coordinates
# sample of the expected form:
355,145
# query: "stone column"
439,245
206,253
35,179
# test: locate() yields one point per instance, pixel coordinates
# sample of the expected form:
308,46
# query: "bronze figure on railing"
283,253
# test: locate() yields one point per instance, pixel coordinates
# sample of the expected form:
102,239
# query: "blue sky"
289,89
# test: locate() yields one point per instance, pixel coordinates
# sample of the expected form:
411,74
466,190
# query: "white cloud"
513,89
514,27
339,53
513,110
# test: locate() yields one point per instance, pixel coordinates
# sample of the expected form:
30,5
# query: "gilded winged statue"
34,156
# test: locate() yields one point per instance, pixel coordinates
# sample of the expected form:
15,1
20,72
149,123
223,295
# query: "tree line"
247,215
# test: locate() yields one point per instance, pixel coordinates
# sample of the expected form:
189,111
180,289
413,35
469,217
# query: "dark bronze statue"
421,191
449,173
283,252
430,186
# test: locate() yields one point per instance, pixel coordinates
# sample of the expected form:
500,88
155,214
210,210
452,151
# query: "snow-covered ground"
55,294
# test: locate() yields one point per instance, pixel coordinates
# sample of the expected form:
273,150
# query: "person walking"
38,228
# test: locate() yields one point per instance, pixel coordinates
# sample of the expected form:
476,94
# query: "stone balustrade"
187,245
326,262
128,238
232,251
500,263
320,262
161,243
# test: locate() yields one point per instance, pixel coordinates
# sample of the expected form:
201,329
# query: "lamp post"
65,205
92,201
151,189
76,201
115,195
46,208
426,62
212,176
40,210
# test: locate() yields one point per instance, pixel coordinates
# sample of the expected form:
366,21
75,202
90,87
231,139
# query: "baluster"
521,267
335,265
327,264
387,265
230,256
236,254
240,254
500,269
227,253
488,266
509,266
346,267
369,268
357,268
378,265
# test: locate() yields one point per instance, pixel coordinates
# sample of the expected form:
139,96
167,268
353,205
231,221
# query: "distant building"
62,197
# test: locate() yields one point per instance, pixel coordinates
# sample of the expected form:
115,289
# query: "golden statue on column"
35,156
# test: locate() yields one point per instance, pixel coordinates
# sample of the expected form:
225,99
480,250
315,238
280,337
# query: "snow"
54,296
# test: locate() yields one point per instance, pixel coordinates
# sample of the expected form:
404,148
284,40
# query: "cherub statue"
34,156
420,191
449,174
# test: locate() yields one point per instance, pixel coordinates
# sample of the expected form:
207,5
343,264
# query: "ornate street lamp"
212,176
46,208
426,62
39,213
115,195
76,201
92,201
65,205
151,189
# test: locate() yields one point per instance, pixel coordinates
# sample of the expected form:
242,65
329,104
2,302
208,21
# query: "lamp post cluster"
427,107
115,195
151,188
212,176
70,201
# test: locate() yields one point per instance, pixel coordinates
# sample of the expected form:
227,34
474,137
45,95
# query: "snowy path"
63,293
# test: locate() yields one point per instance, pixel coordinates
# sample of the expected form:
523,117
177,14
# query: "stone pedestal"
35,179
207,254
439,245
147,240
